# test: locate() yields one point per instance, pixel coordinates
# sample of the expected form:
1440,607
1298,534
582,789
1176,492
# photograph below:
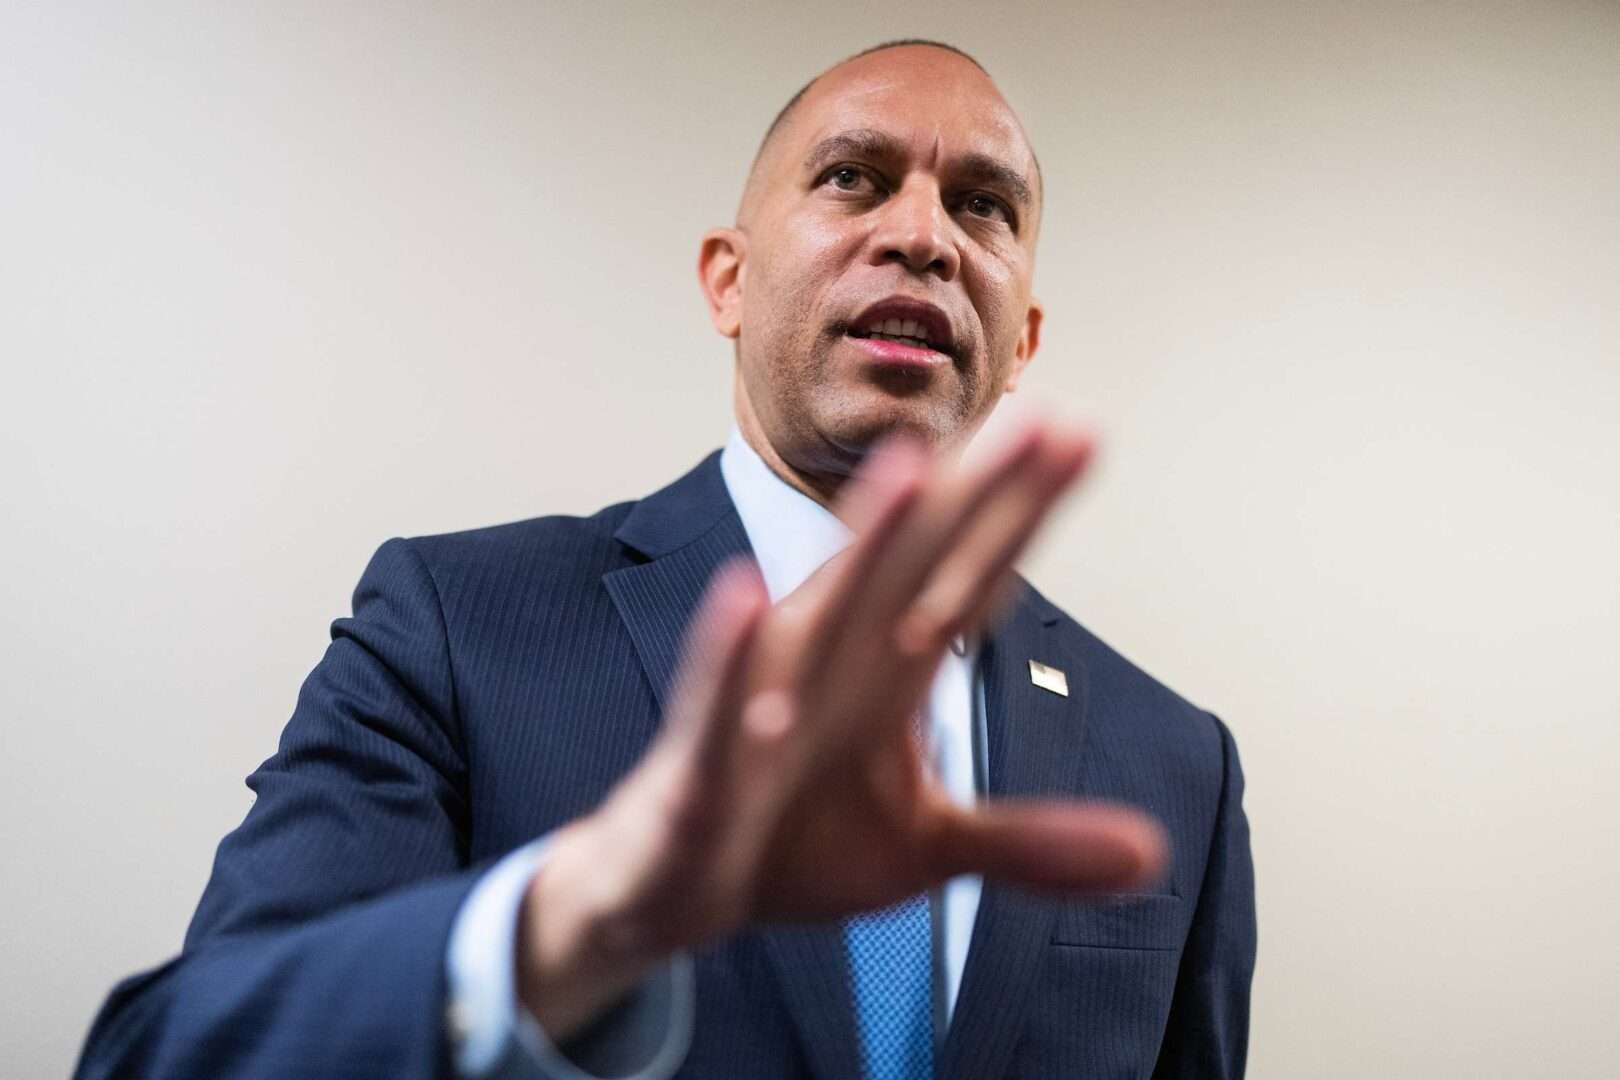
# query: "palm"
787,783
793,781
859,840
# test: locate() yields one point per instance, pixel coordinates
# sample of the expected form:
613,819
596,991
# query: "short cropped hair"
787,109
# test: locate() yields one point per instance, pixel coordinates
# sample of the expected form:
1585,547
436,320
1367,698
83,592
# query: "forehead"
929,98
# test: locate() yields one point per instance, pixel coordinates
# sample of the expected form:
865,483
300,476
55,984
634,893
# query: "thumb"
1055,846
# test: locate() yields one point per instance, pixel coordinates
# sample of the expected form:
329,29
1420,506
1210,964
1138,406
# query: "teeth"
911,331
915,342
900,328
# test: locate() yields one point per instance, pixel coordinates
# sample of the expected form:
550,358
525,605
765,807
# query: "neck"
822,488
821,485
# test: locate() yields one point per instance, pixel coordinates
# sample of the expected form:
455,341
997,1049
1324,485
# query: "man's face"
898,200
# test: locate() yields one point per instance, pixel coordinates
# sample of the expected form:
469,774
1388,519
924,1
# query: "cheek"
810,254
1000,291
787,287
1001,302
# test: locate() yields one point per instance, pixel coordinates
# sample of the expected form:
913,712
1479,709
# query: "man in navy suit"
607,796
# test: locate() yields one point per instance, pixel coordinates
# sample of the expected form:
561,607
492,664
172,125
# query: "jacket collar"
698,502
676,516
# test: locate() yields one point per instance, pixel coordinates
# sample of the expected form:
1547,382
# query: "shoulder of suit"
557,543
1121,691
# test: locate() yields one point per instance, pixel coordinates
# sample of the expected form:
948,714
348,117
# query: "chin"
858,427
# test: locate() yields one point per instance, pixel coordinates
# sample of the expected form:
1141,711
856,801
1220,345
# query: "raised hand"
787,783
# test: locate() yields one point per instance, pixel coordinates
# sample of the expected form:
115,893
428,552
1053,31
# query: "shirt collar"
792,534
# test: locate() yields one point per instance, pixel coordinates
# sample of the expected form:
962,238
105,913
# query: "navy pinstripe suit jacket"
492,685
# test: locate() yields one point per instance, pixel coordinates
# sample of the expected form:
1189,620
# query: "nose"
916,231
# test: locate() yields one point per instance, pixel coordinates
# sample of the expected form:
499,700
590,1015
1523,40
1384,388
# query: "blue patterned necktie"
891,961
891,964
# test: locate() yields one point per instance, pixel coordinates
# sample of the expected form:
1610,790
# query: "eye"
850,178
987,206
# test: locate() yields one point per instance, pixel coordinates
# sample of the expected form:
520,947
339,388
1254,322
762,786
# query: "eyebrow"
984,169
972,167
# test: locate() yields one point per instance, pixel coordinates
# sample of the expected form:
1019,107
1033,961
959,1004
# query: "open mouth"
903,324
899,331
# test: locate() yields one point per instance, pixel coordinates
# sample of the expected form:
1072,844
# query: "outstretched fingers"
712,682
972,575
926,537
1053,846
881,500
938,567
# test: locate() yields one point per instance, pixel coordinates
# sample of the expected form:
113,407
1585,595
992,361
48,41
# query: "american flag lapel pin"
1048,678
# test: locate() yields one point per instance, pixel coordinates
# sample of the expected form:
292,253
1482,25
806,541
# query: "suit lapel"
657,599
687,531
1034,746
684,532
811,965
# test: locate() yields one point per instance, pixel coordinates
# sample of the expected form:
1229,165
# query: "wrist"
579,950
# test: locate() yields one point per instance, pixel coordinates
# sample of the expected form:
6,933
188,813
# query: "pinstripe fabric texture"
493,685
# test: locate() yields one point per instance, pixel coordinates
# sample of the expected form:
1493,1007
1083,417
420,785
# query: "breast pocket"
1135,921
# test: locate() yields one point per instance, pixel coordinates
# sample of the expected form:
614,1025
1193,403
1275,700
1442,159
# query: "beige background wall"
1338,282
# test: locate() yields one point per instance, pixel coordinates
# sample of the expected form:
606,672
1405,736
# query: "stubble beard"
855,410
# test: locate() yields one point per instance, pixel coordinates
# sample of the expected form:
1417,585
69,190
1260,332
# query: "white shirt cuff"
494,1036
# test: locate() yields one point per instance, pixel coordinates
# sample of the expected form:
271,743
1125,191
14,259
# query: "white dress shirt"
792,536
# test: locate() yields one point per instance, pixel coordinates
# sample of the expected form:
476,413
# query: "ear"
720,274
1028,342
